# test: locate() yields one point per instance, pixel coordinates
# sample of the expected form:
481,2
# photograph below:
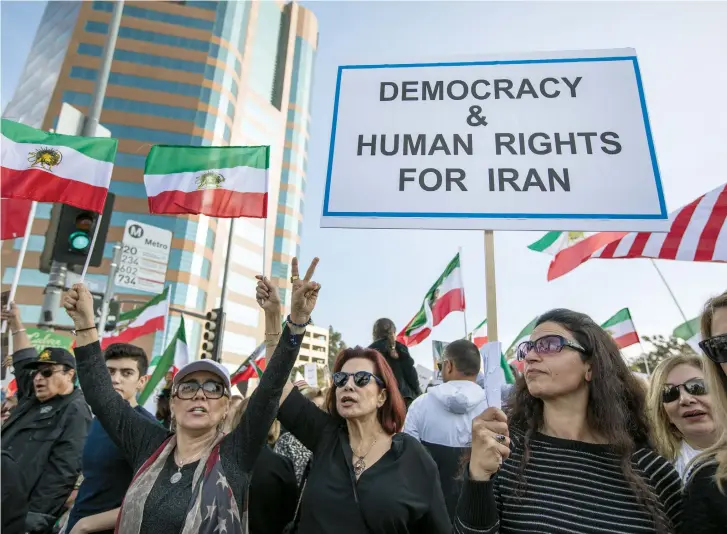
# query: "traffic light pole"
57,278
110,283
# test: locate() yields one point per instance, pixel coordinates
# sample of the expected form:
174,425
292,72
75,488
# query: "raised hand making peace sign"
305,294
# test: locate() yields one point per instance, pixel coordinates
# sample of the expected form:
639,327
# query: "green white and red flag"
444,297
697,232
216,181
253,366
146,319
49,167
691,333
553,242
622,329
479,334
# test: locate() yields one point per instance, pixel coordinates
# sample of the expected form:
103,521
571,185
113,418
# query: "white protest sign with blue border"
546,141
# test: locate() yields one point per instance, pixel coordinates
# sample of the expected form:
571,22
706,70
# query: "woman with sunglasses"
573,455
366,476
705,497
193,479
680,411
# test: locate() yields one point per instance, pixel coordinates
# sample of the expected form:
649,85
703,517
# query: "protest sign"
550,141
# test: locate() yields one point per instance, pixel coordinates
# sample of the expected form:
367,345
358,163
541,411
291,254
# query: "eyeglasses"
47,372
694,387
360,379
546,345
211,389
715,348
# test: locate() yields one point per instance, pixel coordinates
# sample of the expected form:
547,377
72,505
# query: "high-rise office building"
184,73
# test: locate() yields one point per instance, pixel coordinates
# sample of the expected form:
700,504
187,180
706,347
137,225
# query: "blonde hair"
273,432
666,436
717,383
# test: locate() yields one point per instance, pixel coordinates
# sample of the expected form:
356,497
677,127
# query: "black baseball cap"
54,356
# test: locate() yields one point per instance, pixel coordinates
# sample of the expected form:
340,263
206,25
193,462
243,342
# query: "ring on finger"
500,438
294,278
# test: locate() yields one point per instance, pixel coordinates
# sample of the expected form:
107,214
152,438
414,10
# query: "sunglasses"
211,389
47,372
694,387
715,348
546,345
360,379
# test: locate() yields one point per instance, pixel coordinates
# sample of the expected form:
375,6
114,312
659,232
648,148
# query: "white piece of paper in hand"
494,376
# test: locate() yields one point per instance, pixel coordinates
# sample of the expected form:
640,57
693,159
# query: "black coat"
403,368
46,440
273,493
14,497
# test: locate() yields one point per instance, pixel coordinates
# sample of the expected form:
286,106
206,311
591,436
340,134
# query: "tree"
661,348
335,345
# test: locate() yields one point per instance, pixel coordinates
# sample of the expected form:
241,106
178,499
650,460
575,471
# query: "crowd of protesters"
580,446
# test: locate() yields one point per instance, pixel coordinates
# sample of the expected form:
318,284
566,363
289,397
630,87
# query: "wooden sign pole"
490,289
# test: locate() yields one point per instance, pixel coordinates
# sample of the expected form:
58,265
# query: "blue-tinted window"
151,37
264,52
89,49
280,270
157,16
124,159
202,5
133,106
205,94
144,59
128,189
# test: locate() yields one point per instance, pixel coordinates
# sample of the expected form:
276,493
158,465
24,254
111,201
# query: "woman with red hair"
367,477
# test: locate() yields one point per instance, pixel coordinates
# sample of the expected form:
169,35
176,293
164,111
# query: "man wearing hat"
46,431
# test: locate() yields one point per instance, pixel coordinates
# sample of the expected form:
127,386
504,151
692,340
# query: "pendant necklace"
176,477
360,466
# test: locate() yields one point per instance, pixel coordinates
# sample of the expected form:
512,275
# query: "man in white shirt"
442,418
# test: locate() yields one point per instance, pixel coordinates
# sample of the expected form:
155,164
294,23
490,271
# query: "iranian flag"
253,366
146,319
47,167
697,232
479,334
553,242
215,181
691,333
622,329
176,354
444,297
524,335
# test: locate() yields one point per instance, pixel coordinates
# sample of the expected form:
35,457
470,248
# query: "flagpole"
91,247
265,247
673,297
223,294
464,312
21,258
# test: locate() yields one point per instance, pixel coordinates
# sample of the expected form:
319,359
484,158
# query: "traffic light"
213,329
69,235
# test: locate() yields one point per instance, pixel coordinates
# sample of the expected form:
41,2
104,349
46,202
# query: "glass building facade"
189,73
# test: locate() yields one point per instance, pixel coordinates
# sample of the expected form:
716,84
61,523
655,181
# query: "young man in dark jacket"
46,431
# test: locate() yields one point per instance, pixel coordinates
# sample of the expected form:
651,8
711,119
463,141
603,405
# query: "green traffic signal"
79,241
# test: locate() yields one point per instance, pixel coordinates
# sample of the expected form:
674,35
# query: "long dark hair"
616,405
386,329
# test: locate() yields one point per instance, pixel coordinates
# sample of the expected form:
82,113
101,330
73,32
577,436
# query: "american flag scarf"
213,508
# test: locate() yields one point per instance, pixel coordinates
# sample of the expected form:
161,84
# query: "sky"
367,274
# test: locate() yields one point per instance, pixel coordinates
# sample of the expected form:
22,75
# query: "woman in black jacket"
366,476
398,357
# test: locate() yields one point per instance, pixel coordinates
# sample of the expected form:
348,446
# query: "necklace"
176,477
360,466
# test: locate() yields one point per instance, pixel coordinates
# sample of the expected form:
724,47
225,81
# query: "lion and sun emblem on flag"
209,180
45,157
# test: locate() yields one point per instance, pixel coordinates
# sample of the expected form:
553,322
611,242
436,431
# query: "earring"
173,425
